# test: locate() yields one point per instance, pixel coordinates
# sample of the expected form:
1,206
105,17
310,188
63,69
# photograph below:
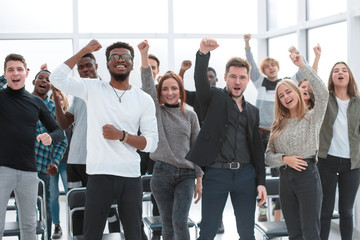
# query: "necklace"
122,93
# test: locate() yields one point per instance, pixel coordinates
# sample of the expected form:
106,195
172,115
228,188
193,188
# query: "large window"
214,17
36,16
278,49
333,46
323,8
281,13
113,16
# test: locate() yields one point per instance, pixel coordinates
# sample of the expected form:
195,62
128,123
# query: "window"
212,16
333,47
278,49
317,9
281,13
36,16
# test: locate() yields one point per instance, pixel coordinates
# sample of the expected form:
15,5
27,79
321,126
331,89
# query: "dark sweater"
19,112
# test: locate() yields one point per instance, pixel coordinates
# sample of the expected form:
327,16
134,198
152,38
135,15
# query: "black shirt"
235,146
19,112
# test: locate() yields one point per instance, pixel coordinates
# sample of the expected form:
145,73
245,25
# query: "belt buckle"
234,165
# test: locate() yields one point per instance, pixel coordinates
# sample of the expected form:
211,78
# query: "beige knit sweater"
301,138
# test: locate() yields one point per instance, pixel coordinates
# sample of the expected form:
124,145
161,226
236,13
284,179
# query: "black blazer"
215,108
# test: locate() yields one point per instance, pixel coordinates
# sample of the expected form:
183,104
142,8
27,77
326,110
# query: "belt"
231,165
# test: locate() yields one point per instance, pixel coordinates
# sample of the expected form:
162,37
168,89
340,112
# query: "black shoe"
57,232
221,228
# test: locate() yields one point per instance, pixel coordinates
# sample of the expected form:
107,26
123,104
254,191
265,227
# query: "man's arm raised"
92,46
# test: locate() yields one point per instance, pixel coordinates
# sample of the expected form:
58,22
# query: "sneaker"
57,232
262,213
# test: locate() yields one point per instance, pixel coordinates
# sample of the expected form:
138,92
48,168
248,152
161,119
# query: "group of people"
219,150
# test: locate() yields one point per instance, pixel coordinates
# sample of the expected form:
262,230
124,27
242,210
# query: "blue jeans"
337,171
25,185
54,191
217,184
46,178
300,197
173,189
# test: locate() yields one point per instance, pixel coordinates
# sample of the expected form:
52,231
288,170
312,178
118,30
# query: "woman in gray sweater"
173,179
292,147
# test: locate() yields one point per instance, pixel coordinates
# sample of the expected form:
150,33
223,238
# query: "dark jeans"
173,189
217,184
46,178
337,171
101,190
300,197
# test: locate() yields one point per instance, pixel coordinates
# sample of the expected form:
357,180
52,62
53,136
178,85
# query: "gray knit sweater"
177,131
301,138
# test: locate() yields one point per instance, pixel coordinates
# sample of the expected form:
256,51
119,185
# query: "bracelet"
126,137
123,138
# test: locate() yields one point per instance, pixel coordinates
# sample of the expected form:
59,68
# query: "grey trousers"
25,186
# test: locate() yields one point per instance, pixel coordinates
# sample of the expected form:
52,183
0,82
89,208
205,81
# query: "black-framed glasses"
116,57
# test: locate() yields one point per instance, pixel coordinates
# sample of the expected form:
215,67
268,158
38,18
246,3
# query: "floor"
195,214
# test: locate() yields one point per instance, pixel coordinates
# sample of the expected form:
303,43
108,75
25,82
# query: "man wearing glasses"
115,111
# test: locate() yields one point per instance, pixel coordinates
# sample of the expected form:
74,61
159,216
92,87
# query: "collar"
15,92
171,105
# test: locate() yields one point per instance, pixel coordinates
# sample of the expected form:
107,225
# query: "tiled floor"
195,214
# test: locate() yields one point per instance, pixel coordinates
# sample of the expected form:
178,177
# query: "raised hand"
93,46
296,57
317,50
185,65
44,138
293,49
207,45
44,67
247,38
144,47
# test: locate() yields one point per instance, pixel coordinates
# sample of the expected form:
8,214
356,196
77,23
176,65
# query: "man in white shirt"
116,110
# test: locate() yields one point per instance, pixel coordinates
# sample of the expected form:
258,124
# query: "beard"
119,77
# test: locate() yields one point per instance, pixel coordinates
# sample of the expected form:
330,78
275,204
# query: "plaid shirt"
2,82
46,155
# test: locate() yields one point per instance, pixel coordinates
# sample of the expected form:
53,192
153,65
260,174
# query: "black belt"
231,165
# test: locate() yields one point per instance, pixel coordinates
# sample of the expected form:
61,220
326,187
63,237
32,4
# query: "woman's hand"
295,162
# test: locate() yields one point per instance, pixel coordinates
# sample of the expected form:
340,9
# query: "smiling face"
236,80
288,97
15,74
119,69
42,84
170,91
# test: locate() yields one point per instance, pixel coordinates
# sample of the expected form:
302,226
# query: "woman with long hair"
339,150
293,147
173,179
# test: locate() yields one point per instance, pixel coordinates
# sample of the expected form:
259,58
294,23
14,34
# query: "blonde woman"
292,147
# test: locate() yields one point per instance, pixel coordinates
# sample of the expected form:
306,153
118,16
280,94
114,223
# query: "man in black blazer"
228,145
